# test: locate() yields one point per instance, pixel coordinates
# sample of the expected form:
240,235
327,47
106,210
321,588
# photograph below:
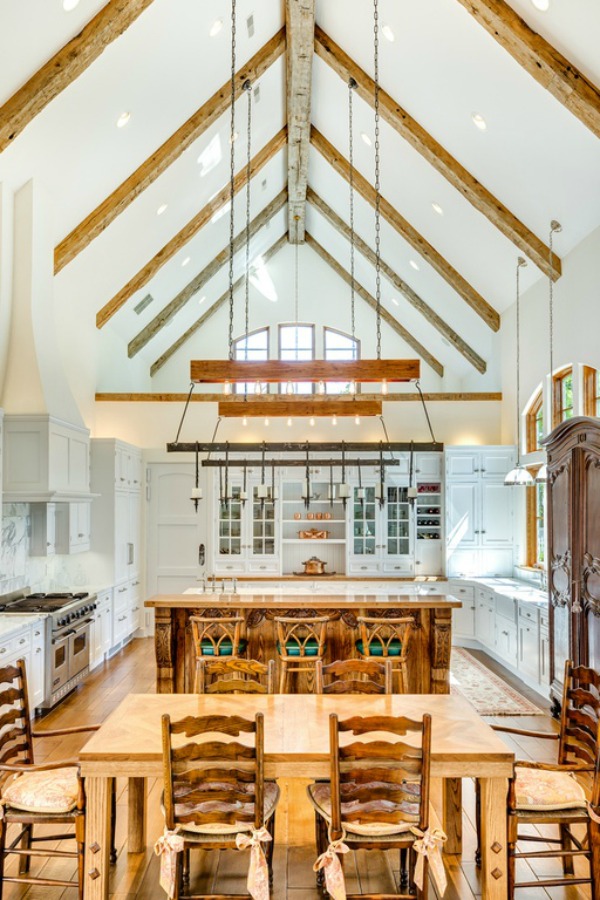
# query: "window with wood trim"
591,391
339,346
297,342
256,347
562,396
534,424
536,526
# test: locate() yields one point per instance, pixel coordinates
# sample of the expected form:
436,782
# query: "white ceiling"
535,157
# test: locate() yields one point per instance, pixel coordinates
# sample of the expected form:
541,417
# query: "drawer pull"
22,641
36,633
38,650
363,568
505,633
2,649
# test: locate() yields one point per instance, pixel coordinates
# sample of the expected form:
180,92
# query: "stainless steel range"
69,617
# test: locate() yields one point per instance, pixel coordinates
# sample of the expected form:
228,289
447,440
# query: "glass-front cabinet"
381,534
247,530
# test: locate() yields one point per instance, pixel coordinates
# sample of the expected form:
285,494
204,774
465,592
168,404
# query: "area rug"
489,694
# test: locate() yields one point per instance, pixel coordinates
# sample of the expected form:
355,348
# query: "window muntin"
563,396
536,526
535,424
256,347
339,346
297,342
592,391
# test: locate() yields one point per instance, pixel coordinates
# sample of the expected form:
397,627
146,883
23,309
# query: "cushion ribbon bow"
593,814
331,865
258,870
429,846
167,847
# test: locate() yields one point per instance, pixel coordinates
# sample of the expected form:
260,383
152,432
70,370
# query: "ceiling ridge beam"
403,288
300,31
101,217
65,66
149,270
390,397
456,281
540,59
153,327
164,358
386,316
438,157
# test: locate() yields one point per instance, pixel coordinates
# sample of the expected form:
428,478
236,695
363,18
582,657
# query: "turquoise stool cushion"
394,648
224,649
292,648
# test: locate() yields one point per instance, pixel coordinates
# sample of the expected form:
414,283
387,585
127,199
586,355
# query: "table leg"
97,838
452,814
494,838
136,826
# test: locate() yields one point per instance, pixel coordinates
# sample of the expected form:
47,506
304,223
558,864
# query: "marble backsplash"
18,569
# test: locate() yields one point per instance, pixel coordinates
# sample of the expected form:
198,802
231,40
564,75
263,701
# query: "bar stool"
387,638
300,643
216,637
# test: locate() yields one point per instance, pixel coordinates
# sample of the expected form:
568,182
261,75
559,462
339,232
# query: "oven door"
79,649
60,662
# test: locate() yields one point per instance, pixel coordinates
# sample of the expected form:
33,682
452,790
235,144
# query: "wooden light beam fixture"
252,406
233,371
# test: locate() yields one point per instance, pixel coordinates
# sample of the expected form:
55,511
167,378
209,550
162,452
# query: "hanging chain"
296,285
554,226
377,179
232,176
520,262
248,89
351,87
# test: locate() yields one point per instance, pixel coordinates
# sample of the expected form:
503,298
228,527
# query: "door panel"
497,513
462,515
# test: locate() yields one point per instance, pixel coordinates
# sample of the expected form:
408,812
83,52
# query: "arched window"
255,347
534,423
338,346
297,342
591,391
562,396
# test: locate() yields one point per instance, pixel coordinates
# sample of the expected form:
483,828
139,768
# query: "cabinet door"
122,548
79,527
107,640
529,649
497,504
133,550
544,656
261,516
463,620
496,463
364,523
396,538
506,640
484,617
429,558
462,516
231,542
36,671
428,465
135,471
462,465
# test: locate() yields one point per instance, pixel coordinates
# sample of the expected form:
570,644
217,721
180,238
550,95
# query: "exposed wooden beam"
66,65
392,397
298,406
196,284
540,59
218,371
386,316
188,231
161,159
421,141
338,162
216,306
401,286
300,31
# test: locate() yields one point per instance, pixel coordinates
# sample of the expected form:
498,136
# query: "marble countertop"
13,622
523,591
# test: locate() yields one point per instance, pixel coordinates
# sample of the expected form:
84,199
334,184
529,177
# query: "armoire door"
560,570
588,506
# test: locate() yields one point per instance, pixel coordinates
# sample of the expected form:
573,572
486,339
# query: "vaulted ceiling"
498,189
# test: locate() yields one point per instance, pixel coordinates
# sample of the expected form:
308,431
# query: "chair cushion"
292,649
271,799
320,796
52,791
224,649
394,648
538,789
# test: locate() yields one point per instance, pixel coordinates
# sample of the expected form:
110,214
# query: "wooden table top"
272,600
296,731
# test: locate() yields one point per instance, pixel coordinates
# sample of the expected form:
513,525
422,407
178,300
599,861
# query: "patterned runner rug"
489,694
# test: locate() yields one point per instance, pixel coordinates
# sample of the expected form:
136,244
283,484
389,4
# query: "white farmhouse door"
175,531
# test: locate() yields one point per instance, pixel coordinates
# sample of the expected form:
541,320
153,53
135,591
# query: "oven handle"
83,627
72,631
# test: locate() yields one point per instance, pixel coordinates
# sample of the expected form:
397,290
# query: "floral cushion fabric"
320,796
271,798
54,791
538,789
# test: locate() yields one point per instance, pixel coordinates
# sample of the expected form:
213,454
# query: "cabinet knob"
2,649
38,650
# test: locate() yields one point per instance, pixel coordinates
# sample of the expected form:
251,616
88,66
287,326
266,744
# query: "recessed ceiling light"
185,261
479,121
413,264
542,5
201,300
68,5
438,209
216,27
388,33
394,301
161,209
366,138
123,119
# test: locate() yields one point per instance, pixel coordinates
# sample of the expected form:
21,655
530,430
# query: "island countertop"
271,599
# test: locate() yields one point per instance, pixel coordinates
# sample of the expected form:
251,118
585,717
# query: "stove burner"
60,596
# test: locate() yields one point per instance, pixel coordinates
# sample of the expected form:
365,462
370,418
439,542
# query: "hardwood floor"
136,875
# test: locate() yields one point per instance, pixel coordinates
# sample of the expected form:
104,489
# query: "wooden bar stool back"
387,638
378,789
214,786
354,676
216,637
300,643
236,676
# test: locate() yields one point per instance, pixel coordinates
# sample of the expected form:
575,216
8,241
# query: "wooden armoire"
573,506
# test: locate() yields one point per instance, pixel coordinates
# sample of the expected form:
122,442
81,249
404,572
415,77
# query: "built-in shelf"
305,521
314,540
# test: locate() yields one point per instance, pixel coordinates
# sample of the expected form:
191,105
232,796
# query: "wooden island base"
429,654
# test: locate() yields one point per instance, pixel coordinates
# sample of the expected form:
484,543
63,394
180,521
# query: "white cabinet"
381,537
529,647
463,619
506,640
101,629
60,528
128,610
483,462
428,465
247,529
43,529
36,670
485,617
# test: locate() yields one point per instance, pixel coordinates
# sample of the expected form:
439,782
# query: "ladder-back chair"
354,676
236,676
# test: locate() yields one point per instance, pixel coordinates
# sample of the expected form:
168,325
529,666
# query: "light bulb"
266,422
290,388
289,421
244,421
311,421
357,420
257,387
384,386
227,387
352,387
334,420
321,387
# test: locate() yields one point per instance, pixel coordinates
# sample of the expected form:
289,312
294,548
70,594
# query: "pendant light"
306,485
518,475
542,473
343,486
196,493
262,490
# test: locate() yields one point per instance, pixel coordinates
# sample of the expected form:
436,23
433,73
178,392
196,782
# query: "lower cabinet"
485,617
128,610
29,644
101,631
506,639
463,619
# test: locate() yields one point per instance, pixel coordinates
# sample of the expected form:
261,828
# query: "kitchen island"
260,603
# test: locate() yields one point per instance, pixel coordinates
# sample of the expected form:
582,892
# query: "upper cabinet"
45,460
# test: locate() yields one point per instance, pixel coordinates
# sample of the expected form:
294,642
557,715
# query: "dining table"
128,745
